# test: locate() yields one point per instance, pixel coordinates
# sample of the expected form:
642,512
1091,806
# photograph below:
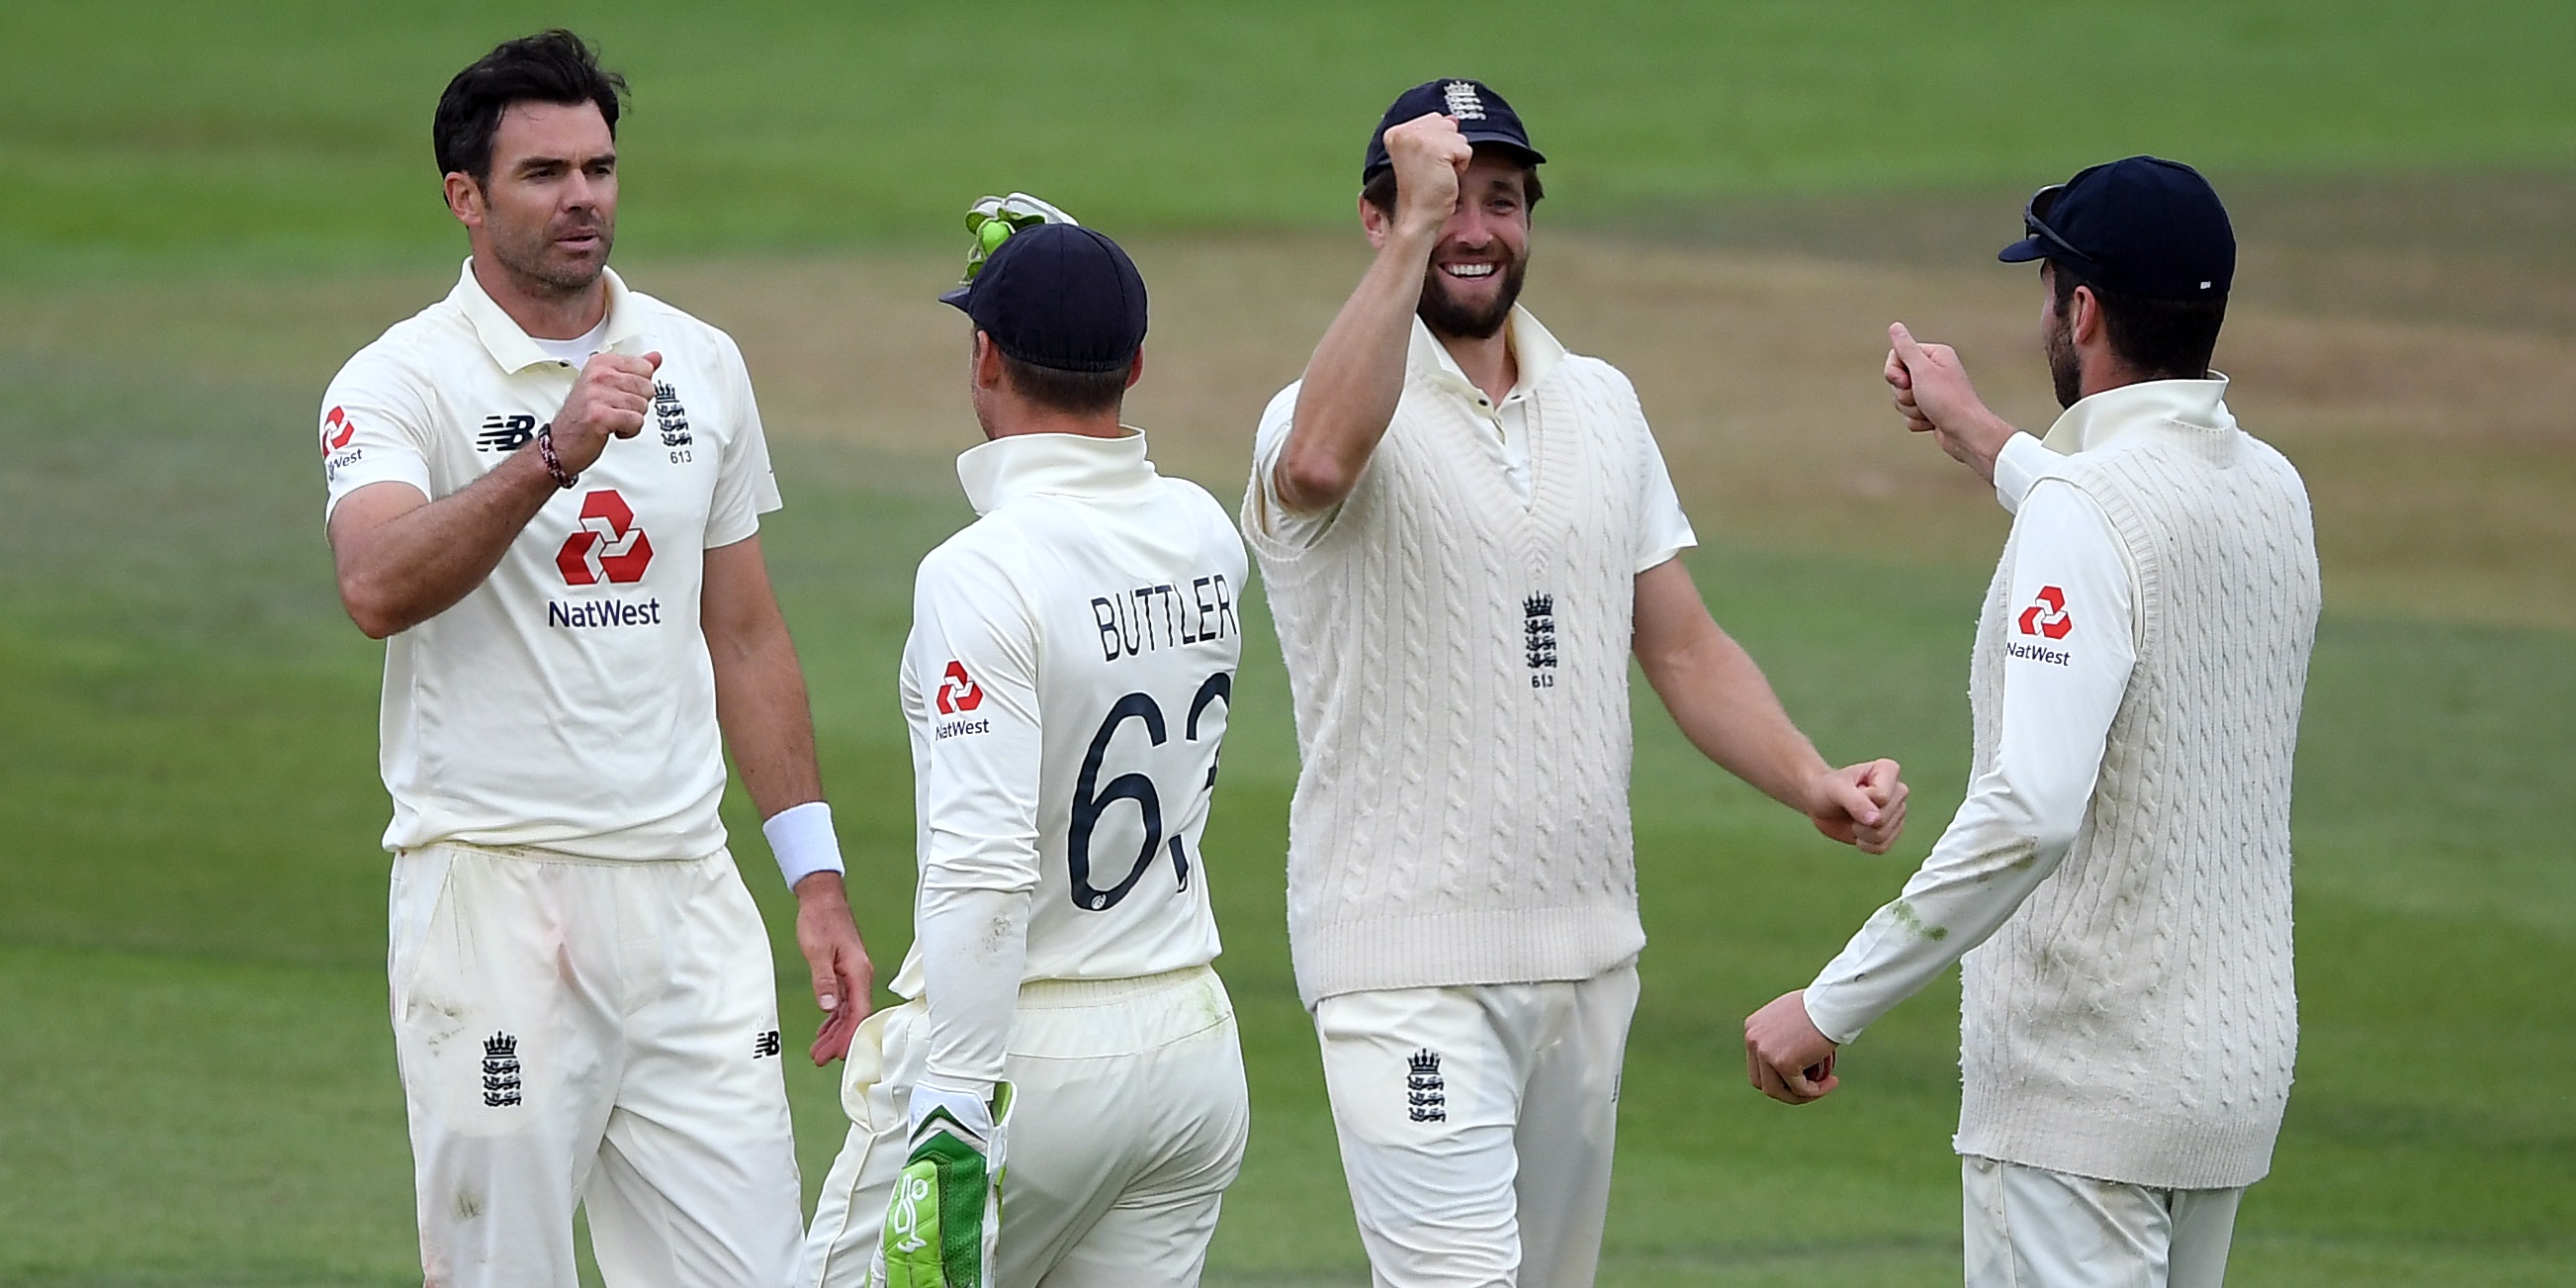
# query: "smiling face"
547,213
1483,252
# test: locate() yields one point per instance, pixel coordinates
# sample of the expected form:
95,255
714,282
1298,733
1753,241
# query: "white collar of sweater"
2196,408
1533,347
1018,465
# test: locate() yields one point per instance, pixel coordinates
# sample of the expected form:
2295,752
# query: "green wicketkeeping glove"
993,219
945,1218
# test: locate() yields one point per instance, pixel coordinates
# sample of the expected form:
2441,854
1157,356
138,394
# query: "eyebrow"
527,164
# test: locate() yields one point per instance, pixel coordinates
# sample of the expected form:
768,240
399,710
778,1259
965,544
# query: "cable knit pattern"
1461,814
2136,1019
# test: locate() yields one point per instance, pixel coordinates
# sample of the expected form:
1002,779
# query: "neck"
2101,370
1010,422
1488,364
538,307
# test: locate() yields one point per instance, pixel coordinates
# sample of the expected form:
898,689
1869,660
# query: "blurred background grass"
205,208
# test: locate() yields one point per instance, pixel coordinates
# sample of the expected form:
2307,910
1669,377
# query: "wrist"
802,840
553,461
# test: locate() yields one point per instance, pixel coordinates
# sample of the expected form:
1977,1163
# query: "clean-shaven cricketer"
1067,682
545,494
2118,879
1466,532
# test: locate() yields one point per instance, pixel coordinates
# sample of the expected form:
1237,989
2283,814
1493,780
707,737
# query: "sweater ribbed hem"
1458,949
2163,1148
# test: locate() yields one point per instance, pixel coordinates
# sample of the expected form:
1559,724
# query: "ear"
986,365
464,198
1136,367
2084,326
1375,221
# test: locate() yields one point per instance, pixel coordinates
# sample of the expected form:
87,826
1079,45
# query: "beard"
1451,317
2065,370
533,256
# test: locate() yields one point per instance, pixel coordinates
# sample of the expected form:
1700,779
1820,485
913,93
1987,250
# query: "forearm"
767,720
1994,854
974,944
406,569
1355,378
1727,709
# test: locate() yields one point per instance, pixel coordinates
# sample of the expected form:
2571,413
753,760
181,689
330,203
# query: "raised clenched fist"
611,397
1429,156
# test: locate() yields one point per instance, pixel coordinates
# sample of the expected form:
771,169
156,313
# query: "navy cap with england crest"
1482,116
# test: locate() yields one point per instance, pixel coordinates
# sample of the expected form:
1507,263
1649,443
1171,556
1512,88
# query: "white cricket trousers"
1477,1125
2027,1227
1127,1124
602,1033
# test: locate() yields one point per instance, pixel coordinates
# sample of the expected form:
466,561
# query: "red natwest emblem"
337,430
608,546
2048,617
958,692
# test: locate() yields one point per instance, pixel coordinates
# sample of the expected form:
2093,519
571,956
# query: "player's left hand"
844,979
1862,805
1784,1054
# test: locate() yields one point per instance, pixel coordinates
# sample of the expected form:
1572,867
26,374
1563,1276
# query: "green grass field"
203,209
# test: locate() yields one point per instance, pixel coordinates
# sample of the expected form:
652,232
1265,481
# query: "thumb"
653,360
827,980
1907,351
1853,799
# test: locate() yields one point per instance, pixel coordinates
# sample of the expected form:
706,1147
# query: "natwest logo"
2048,617
337,430
608,546
958,692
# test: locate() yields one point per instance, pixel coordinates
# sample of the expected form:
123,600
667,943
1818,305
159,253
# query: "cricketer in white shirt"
1067,684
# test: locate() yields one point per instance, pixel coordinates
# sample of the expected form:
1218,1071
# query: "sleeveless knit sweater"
1459,666
2136,1019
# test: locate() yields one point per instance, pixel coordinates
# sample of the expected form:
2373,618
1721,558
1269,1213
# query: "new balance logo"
1426,1096
505,433
500,1070
765,1045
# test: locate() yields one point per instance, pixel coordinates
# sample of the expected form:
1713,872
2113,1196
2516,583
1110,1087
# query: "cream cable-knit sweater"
1459,664
2136,1019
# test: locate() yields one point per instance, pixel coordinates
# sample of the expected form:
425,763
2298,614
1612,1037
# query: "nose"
1469,226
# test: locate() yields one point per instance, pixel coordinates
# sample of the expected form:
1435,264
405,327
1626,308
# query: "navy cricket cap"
1482,116
1060,296
2140,226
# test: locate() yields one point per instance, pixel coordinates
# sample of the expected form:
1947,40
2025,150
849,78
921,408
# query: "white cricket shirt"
1536,352
2067,658
1067,682
568,702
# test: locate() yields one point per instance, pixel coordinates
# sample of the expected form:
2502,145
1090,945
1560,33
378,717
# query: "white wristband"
800,838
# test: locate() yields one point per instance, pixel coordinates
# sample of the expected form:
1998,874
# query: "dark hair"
2162,339
1077,393
1379,191
549,67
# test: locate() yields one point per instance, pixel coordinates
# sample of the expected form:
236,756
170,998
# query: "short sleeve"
746,486
375,427
1268,519
1663,531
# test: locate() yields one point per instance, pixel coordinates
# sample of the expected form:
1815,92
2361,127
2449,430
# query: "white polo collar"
1534,350
511,347
2195,407
1018,465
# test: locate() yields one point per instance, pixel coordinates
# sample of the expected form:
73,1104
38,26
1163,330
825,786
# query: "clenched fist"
1429,156
611,397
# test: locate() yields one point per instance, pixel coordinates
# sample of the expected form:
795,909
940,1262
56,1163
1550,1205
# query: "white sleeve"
376,427
746,487
2070,644
976,656
2020,464
1274,521
1664,530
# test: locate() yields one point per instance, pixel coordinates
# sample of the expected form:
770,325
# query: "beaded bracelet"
554,463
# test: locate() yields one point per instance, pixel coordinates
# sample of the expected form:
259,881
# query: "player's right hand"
610,398
1933,394
944,1221
1429,156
